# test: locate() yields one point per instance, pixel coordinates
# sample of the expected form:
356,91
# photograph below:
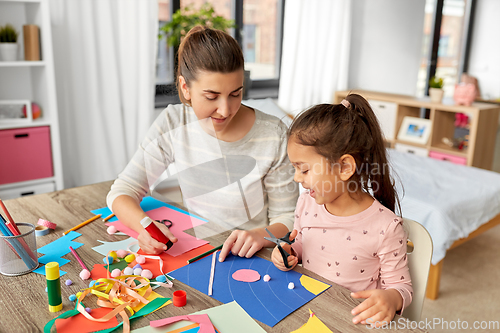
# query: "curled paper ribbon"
120,293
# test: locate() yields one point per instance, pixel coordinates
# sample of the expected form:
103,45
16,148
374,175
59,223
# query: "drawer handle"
27,193
24,135
411,151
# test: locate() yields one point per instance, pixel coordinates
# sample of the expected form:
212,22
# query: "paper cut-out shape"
313,325
268,302
115,246
202,319
80,324
246,275
180,222
54,251
314,286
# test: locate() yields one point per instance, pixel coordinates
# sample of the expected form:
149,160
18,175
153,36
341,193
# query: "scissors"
278,241
166,223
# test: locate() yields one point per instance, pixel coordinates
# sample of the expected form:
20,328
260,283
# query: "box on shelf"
411,149
448,157
31,35
386,113
26,154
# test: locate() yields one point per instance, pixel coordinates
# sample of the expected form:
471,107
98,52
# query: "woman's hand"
378,308
243,243
150,245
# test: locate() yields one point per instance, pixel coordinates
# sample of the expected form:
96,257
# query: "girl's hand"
150,245
243,243
379,307
277,258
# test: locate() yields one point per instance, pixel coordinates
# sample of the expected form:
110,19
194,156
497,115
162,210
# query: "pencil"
109,217
9,218
82,224
204,254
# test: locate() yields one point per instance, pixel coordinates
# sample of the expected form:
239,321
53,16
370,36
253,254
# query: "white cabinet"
30,81
386,114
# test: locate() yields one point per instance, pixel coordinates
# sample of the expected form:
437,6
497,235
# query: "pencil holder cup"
18,254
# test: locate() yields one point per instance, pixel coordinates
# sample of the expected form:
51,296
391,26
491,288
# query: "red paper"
80,324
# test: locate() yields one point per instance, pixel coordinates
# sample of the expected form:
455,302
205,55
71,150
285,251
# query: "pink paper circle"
246,275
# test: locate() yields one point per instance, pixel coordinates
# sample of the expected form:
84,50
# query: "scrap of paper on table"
55,250
180,223
268,302
313,325
226,318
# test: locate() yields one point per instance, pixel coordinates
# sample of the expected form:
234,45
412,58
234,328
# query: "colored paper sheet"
202,319
227,318
54,251
180,222
268,302
313,325
147,203
80,324
246,275
105,247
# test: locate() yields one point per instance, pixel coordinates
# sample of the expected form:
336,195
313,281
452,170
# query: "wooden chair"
419,261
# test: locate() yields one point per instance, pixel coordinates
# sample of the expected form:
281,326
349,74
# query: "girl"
231,159
341,231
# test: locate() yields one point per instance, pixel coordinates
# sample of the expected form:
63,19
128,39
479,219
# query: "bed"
454,203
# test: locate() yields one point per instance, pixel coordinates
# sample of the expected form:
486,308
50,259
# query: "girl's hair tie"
346,103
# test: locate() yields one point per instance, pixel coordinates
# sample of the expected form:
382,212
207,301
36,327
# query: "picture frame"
415,130
15,111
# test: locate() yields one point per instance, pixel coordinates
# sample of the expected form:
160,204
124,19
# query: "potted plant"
187,18
436,91
8,43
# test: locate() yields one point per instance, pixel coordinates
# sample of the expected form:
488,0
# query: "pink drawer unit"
25,154
448,157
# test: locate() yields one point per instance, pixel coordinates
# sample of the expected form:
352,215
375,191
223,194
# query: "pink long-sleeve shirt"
359,252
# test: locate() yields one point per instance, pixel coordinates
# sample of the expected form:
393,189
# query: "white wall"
484,61
386,45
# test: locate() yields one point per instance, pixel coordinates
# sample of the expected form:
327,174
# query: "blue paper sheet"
147,204
54,251
268,302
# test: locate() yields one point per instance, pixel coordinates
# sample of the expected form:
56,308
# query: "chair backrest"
419,262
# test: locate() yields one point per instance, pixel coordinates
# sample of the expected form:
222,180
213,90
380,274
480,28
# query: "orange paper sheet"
80,324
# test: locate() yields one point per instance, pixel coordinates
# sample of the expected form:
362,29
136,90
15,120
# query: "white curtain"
105,58
315,60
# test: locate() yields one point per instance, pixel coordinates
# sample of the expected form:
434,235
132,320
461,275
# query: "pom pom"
68,282
130,258
161,278
111,229
137,271
116,272
109,259
140,259
46,289
128,271
72,298
147,274
291,285
121,253
91,284
113,254
137,266
267,278
88,310
84,274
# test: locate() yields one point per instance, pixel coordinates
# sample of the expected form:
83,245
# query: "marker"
53,286
147,223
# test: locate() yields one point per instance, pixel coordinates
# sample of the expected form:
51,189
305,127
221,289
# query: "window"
260,38
446,43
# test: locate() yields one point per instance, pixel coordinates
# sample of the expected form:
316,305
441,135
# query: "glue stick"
147,223
53,286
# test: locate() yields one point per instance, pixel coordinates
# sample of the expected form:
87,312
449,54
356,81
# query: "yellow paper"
313,325
151,297
312,285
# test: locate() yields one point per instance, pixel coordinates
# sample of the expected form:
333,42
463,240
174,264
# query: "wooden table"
23,301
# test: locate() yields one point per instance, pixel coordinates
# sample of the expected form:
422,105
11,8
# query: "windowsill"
163,100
